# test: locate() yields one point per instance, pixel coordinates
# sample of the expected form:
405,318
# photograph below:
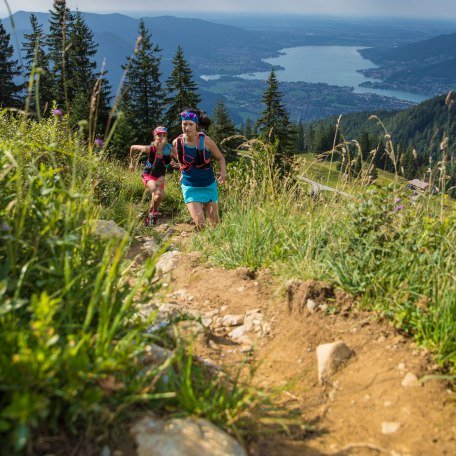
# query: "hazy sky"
396,8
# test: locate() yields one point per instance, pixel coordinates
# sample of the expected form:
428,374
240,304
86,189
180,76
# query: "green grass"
72,344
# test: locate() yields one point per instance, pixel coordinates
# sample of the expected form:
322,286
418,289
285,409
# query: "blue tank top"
193,176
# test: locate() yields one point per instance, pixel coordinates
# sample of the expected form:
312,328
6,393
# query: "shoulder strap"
180,150
201,143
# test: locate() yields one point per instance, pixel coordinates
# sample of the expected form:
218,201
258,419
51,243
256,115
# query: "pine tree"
364,144
88,94
144,87
247,129
60,24
9,90
182,92
300,137
37,62
274,124
125,133
223,127
310,139
408,166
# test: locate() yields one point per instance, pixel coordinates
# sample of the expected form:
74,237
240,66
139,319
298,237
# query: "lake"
334,65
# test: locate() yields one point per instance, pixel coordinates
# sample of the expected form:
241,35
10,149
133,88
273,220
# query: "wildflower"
99,143
397,200
398,208
57,112
5,227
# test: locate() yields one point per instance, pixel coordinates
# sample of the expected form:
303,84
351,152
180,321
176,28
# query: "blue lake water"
334,65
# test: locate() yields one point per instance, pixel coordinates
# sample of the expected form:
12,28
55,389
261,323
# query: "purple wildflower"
397,200
57,112
99,143
398,208
5,227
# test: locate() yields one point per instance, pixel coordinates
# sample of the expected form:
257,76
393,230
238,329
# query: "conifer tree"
300,137
310,139
144,87
274,124
182,92
126,130
87,90
222,127
60,23
247,129
364,144
37,61
9,90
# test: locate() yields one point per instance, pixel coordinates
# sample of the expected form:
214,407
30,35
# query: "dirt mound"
373,405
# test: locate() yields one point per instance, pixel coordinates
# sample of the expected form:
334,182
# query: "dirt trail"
365,409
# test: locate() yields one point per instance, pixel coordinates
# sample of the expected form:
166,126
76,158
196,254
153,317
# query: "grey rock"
410,380
232,320
178,437
108,229
167,262
330,357
390,427
311,305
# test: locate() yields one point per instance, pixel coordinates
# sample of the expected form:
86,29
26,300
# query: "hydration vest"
202,155
157,167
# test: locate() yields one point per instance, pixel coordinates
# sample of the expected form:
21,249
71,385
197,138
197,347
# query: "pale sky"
427,9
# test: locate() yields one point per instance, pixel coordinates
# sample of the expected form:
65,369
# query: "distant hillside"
428,67
421,127
442,46
209,47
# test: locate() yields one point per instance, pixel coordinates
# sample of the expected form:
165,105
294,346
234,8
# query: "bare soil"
364,409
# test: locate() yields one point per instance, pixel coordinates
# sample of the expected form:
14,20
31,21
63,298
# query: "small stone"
206,322
167,262
311,305
232,320
410,380
323,307
390,427
212,313
256,283
239,331
330,357
241,289
401,366
213,345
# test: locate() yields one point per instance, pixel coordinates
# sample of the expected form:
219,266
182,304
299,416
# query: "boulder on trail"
178,436
167,262
330,357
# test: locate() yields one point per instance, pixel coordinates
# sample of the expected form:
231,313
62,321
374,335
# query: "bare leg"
211,210
157,193
197,213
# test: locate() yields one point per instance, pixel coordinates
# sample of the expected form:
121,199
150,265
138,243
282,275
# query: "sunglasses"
185,115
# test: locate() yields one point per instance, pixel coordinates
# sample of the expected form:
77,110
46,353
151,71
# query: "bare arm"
137,148
174,156
215,152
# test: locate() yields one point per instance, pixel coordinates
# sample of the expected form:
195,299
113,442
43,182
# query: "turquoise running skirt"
200,194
